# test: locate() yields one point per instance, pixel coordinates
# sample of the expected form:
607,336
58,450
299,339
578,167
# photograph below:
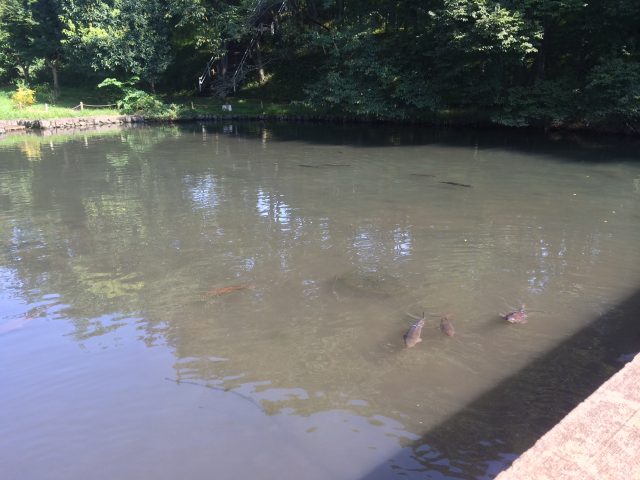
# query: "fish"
518,317
412,337
446,325
456,184
337,165
20,321
423,175
216,292
14,324
308,166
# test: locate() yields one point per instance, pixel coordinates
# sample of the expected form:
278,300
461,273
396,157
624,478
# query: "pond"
229,300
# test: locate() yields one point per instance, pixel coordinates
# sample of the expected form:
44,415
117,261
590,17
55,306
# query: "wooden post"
46,107
192,106
81,106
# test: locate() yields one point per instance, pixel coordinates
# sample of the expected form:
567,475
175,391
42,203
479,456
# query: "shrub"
114,89
545,103
612,92
23,96
44,93
131,100
138,101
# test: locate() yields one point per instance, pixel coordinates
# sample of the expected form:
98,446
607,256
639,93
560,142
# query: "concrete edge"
599,439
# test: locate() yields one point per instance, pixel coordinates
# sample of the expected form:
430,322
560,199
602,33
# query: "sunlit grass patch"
62,109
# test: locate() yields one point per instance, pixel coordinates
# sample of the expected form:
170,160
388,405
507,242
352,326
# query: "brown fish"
412,337
446,326
216,292
21,320
518,316
456,184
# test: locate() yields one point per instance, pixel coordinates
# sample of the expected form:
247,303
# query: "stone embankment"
80,123
599,439
7,126
91,122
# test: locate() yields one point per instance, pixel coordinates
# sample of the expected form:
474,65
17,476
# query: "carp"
446,325
412,337
517,317
456,184
217,292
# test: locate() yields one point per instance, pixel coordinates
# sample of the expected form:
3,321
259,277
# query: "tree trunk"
24,70
541,60
259,62
540,64
53,65
313,11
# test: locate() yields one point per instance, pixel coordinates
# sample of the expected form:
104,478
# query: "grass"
62,109
186,106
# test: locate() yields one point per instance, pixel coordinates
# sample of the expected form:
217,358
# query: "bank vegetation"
541,63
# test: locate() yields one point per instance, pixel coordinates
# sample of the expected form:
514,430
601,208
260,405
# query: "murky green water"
229,301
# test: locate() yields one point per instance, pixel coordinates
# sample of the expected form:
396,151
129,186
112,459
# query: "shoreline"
91,122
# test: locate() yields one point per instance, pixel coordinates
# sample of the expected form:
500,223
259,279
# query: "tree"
48,37
119,37
32,31
460,53
17,30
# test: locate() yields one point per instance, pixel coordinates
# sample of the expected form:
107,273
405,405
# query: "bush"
131,100
23,97
612,92
138,101
113,89
546,103
44,93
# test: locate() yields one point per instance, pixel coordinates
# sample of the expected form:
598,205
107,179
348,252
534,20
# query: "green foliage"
356,77
114,88
542,104
612,92
454,55
23,96
526,62
49,29
31,33
131,100
18,31
44,93
138,101
126,37
64,108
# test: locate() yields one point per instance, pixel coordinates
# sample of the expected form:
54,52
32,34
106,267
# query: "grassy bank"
63,107
187,107
178,107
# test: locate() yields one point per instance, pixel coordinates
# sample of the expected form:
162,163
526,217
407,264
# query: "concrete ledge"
599,439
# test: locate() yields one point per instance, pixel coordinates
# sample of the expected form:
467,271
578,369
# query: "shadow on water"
569,146
484,438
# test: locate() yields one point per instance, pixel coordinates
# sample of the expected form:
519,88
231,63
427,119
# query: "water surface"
228,301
